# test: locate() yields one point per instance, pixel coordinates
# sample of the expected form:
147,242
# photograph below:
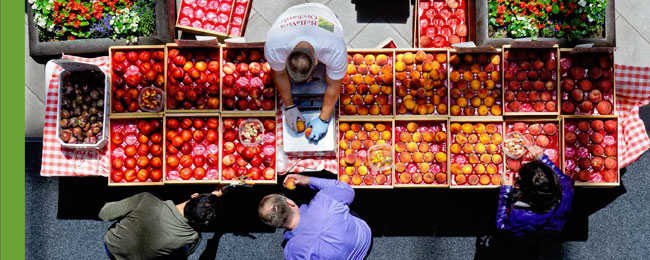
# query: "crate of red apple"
441,23
355,139
248,149
476,157
538,132
590,152
247,83
367,87
221,18
475,80
136,152
421,82
134,68
531,81
587,83
192,144
421,154
192,79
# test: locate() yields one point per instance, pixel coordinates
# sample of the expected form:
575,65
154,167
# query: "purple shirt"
326,230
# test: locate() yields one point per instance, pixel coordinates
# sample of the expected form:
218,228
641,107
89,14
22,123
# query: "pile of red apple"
530,80
545,135
475,153
591,153
475,84
442,23
193,78
367,87
136,150
421,152
212,15
192,148
354,141
587,84
247,83
238,18
134,69
255,162
421,85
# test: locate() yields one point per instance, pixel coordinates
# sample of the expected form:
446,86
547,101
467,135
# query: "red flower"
557,27
70,38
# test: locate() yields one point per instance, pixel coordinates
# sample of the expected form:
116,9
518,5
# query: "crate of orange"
367,87
421,83
475,80
476,156
355,138
136,150
421,154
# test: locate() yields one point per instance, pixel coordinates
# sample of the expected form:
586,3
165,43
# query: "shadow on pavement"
390,11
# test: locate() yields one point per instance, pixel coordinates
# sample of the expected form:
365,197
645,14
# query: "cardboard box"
296,144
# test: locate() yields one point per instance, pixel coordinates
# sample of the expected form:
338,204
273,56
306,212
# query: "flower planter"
483,37
162,35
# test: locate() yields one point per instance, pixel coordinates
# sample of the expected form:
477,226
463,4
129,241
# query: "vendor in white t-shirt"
305,49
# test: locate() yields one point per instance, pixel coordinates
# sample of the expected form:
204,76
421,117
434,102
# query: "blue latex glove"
318,129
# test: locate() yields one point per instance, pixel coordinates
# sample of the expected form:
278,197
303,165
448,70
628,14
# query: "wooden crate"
247,12
566,52
219,131
195,45
241,115
539,46
469,21
564,160
446,84
500,168
542,120
396,183
191,29
390,142
348,77
134,116
111,50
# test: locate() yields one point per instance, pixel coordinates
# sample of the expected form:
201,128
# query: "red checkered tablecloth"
58,161
632,92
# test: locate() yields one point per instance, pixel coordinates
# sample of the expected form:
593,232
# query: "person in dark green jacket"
149,228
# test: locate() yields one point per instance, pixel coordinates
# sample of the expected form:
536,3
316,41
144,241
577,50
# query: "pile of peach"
476,84
421,152
367,87
442,23
192,79
544,135
530,80
587,84
476,153
136,150
133,70
421,83
192,148
354,141
256,162
247,83
590,150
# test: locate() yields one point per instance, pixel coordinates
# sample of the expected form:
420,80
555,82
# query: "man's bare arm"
330,97
281,80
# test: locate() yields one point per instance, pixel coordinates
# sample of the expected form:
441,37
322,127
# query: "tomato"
130,150
198,123
143,149
156,150
129,163
155,174
172,161
172,124
156,162
186,160
117,164
156,138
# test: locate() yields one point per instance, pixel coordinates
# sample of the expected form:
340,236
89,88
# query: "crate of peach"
367,87
137,80
475,80
136,149
246,83
441,23
421,154
544,133
421,82
192,148
192,79
587,82
248,150
590,150
530,81
475,154
355,140
221,18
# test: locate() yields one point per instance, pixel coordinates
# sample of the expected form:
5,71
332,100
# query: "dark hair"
203,210
300,65
274,210
539,186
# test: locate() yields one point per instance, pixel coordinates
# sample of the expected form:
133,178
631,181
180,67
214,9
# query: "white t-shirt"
313,23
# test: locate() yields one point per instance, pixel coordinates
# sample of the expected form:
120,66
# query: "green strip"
12,130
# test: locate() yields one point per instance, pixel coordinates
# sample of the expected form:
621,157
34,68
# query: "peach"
369,59
454,76
466,169
343,127
468,148
577,73
496,179
585,85
454,148
535,129
472,138
411,147
346,100
400,66
475,101
570,138
568,84
545,96
455,168
381,179
374,135
467,128
400,167
468,58
381,59
427,137
551,106
549,85
420,56
485,158
586,106
533,75
374,110
497,159
604,107
584,175
454,59
404,157
521,97
405,177
349,135
509,95
381,99
405,137
460,179
550,129
472,158
583,125
468,76
484,138
605,85
597,150
597,163
479,169
441,157
491,128
400,147
473,179
417,157
480,148
408,58
357,59
610,176
344,178
423,167
496,139
610,150
455,128
440,177
610,126
482,110
583,138
343,144
423,147
350,89
429,157
484,179
351,70
533,96
355,144
461,138
386,135
610,163
513,165
597,138
492,169
417,177
350,170
495,110
374,69
542,141
357,79
362,110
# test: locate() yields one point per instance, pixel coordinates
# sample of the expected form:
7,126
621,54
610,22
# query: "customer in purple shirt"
324,229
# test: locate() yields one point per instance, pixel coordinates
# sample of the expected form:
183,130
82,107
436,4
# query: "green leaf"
84,23
556,8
